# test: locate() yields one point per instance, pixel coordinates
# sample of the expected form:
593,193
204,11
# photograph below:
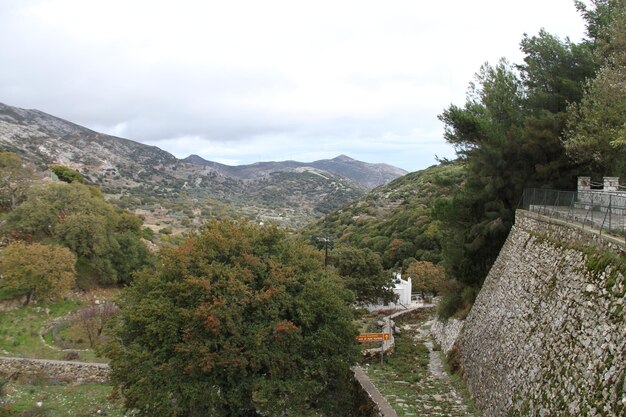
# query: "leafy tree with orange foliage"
426,277
45,271
238,320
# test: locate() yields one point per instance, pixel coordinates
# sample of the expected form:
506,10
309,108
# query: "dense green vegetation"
238,320
395,220
519,129
104,240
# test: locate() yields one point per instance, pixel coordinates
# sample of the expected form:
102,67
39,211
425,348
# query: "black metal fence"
600,210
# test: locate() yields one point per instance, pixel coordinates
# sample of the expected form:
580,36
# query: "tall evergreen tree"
596,134
509,132
486,132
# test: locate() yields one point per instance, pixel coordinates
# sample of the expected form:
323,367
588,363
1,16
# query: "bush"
457,300
71,356
454,359
469,295
148,234
449,305
67,174
166,230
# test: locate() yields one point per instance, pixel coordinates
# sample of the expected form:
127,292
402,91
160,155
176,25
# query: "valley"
145,177
194,288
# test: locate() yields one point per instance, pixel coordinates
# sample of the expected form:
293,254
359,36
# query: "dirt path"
413,379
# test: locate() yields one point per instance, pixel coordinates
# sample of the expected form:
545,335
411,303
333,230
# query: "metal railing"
604,211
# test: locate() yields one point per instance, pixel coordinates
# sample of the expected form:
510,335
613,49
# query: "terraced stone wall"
547,334
81,372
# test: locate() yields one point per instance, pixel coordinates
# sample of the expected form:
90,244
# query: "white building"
402,289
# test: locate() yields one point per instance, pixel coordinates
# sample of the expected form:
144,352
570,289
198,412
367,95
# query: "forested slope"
395,220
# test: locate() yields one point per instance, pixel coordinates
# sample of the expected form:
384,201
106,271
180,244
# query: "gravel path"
448,397
416,384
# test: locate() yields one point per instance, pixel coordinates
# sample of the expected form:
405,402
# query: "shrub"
454,359
166,230
71,356
449,304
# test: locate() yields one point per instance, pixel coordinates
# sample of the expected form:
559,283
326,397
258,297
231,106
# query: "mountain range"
362,173
290,192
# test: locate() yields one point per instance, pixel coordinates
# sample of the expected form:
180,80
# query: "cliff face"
547,334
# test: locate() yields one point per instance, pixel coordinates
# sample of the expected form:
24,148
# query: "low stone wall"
446,333
387,345
81,372
546,335
382,407
388,326
12,303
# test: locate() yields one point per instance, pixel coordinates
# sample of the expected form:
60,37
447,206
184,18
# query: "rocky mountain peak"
343,158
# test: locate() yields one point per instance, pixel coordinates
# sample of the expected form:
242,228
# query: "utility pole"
326,241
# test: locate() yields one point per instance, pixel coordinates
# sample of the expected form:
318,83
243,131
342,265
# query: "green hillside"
395,220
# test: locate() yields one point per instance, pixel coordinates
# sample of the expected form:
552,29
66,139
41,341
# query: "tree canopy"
15,179
239,320
106,240
363,274
426,277
43,271
596,134
538,124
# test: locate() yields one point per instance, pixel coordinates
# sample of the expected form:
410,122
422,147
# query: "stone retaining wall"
446,333
81,372
546,335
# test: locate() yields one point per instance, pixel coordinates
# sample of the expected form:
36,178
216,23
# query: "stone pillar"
584,183
611,183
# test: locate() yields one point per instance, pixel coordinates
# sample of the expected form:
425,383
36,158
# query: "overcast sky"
238,81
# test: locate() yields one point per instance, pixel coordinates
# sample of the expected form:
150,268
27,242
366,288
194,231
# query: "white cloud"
251,80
